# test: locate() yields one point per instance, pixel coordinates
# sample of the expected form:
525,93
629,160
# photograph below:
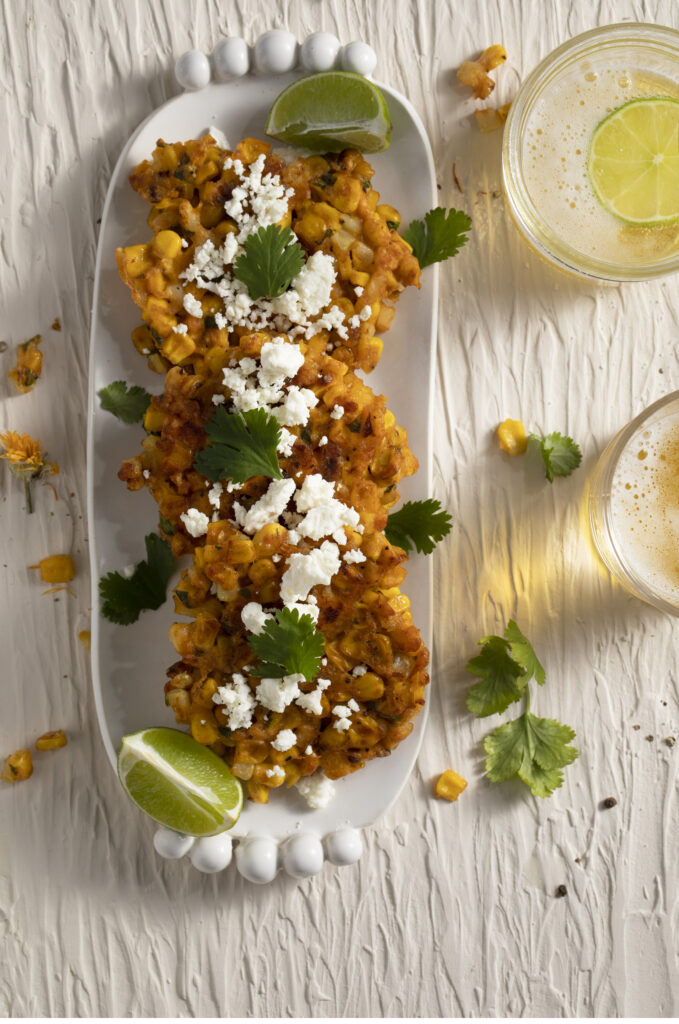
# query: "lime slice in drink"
179,782
633,161
329,112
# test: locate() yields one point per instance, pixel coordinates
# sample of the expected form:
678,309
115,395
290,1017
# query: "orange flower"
26,460
25,455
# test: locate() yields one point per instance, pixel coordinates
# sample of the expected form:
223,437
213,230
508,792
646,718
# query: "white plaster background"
452,909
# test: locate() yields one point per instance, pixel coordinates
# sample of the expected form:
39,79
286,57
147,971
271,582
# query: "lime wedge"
633,161
329,112
179,782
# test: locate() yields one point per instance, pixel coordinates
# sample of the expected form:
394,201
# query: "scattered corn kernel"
492,118
512,437
474,73
450,785
51,740
28,365
55,568
85,638
17,767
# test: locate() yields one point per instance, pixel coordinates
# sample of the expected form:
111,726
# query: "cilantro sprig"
241,445
419,524
440,236
288,644
561,455
127,403
124,599
272,256
536,749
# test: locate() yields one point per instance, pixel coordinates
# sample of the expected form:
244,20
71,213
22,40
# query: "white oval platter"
129,662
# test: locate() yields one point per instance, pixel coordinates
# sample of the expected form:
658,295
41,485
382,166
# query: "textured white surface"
451,909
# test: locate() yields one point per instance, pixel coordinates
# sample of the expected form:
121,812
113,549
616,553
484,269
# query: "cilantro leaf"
123,599
288,644
440,236
128,404
503,680
240,445
561,455
522,652
271,259
418,523
535,749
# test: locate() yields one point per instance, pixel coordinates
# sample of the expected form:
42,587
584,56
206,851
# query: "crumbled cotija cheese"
317,790
239,701
276,694
306,571
254,618
196,522
285,740
311,702
354,557
267,509
337,412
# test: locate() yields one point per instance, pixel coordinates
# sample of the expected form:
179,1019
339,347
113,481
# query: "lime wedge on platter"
633,161
178,782
329,112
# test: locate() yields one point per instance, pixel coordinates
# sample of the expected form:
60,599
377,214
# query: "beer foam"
644,506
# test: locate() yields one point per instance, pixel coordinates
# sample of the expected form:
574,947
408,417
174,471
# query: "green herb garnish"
535,749
123,599
441,235
127,403
272,257
240,445
287,645
420,524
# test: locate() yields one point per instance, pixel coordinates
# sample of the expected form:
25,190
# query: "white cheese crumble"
325,515
311,702
185,244
254,618
359,670
343,715
196,522
317,790
286,443
275,773
309,750
146,474
365,313
354,557
323,441
306,571
267,509
214,495
192,305
276,694
239,701
218,399
181,328
358,290
284,741
337,412
351,703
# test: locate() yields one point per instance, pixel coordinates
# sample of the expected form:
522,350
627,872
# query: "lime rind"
178,782
329,112
633,162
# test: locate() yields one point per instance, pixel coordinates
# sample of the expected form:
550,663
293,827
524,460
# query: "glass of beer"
634,505
590,158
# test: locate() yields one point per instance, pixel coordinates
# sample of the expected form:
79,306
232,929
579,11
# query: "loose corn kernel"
85,639
55,568
17,767
51,740
474,73
153,420
167,244
178,347
512,437
449,785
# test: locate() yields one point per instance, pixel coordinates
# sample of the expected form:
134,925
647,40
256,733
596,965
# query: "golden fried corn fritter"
365,621
375,664
334,209
366,453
